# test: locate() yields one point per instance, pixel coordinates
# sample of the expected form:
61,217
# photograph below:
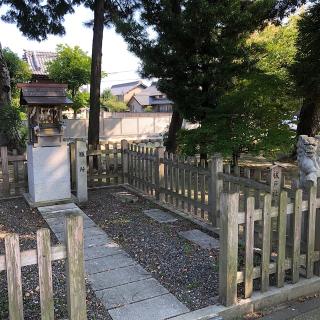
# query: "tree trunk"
309,118
95,83
175,126
5,89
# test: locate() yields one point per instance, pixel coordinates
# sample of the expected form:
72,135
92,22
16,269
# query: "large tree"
72,66
258,113
306,70
19,70
196,48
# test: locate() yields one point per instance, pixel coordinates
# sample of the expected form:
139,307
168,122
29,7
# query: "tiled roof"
149,97
123,88
37,60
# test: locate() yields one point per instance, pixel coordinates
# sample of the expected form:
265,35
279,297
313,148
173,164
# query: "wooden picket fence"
109,164
188,184
72,251
13,173
289,248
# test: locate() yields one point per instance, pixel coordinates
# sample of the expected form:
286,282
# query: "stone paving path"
127,290
200,238
160,216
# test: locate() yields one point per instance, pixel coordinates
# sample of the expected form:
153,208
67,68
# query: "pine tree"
196,48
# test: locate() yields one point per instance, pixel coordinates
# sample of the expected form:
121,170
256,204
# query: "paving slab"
126,197
108,263
58,207
158,308
131,292
101,251
160,216
113,278
200,238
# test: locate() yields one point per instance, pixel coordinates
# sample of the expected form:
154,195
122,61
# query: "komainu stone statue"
308,156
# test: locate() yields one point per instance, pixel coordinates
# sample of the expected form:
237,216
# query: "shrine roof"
44,94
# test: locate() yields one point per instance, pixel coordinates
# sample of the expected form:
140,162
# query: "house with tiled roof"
124,91
150,99
37,61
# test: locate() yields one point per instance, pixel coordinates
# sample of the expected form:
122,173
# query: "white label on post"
81,171
276,174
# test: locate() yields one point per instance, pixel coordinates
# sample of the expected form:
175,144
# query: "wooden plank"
202,187
189,185
266,238
76,289
195,188
124,160
311,230
171,177
107,149
177,179
99,161
45,274
215,188
273,267
281,241
249,244
166,176
147,176
13,265
296,236
183,182
228,257
5,169
159,171
29,257
116,163
245,182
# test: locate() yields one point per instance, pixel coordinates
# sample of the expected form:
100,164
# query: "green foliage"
12,132
80,100
72,66
257,114
197,47
148,109
110,102
18,69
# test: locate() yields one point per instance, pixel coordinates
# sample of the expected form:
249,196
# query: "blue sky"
116,57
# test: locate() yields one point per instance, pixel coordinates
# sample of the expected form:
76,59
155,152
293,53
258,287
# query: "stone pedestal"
48,175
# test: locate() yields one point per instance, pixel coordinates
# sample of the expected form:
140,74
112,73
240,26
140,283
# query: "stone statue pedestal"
48,175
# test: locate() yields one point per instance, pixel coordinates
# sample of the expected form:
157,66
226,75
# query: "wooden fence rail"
13,260
287,252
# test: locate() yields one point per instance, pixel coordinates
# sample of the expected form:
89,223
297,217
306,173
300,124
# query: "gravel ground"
186,270
16,216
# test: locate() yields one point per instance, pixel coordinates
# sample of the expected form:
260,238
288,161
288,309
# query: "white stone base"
48,173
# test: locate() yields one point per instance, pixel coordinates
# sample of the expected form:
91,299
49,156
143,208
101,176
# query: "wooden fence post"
215,188
13,265
5,169
228,256
72,147
159,171
76,289
81,171
45,274
125,160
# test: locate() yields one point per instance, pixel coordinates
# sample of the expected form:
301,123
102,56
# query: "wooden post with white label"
81,171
